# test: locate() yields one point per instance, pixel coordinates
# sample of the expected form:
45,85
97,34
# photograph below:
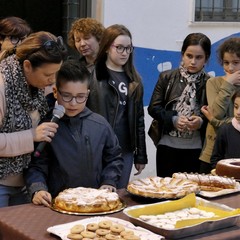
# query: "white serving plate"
63,230
223,192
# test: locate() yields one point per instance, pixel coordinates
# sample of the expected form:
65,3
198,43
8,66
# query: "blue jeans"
10,196
126,172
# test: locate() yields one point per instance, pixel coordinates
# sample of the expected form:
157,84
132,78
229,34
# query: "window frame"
214,23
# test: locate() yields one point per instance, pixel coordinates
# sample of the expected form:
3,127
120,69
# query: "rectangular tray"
203,227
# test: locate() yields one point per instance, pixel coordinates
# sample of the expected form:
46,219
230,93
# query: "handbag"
155,129
154,132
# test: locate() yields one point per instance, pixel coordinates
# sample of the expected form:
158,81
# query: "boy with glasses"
84,152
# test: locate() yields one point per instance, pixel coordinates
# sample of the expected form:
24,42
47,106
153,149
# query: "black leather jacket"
104,99
167,91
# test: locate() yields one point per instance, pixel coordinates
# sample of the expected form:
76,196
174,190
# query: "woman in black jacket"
176,102
117,94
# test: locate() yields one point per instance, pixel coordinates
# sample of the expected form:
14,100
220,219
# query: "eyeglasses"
121,49
15,40
55,48
81,98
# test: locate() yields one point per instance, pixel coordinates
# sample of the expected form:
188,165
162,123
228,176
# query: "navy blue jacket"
84,152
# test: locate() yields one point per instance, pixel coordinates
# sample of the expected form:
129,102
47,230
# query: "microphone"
58,113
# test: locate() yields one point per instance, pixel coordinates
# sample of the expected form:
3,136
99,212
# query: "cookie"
88,234
131,237
126,232
102,232
105,224
74,236
92,227
117,228
110,236
77,228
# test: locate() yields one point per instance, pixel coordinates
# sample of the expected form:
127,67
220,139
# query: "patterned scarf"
20,100
187,105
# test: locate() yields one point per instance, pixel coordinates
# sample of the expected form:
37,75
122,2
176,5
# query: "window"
217,10
72,10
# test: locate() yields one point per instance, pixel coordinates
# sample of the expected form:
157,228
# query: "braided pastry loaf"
208,182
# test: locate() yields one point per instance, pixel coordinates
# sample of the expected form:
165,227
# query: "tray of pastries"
162,188
87,201
102,228
183,217
211,185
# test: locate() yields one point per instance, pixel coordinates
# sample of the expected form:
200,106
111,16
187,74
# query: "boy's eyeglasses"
121,49
81,98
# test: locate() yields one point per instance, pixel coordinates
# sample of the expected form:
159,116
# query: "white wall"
160,25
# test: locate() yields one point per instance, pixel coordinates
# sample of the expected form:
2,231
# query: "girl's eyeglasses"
121,49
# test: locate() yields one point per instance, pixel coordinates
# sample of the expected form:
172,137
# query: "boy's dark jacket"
84,152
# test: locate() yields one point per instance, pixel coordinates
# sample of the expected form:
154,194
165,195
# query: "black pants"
205,167
171,160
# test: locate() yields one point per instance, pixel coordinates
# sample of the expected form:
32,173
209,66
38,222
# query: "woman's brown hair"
14,26
41,47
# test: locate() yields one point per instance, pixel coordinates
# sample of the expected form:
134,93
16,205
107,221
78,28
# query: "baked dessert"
103,230
229,168
168,220
208,182
87,200
157,187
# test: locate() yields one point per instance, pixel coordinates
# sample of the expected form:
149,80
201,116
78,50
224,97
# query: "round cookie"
75,236
117,228
102,232
92,227
131,237
77,228
105,224
126,232
88,234
110,236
